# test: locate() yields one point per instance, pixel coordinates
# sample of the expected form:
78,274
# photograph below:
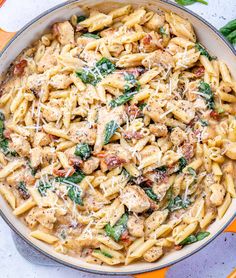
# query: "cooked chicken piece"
36,81
30,218
150,42
183,110
178,136
64,32
135,199
20,144
135,226
156,22
117,115
48,154
81,132
230,150
52,112
218,193
158,58
60,81
41,139
159,130
46,217
90,165
36,156
48,59
153,254
160,190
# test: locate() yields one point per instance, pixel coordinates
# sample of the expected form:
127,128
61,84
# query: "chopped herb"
177,203
110,129
74,193
229,31
103,253
206,90
91,35
190,2
162,31
194,238
151,194
23,191
203,123
93,76
43,187
182,164
203,51
81,18
117,230
63,234
83,151
142,105
76,178
4,143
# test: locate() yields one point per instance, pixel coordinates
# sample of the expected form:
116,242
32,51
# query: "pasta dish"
118,136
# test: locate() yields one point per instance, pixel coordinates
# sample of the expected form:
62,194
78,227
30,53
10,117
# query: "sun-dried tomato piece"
132,135
64,172
19,68
133,111
215,115
113,161
199,71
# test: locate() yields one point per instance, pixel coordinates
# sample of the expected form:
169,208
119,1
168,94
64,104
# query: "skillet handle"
161,273
5,37
232,227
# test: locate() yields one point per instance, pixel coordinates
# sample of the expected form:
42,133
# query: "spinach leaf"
203,51
177,203
182,164
81,18
91,35
151,194
2,119
205,89
122,99
190,2
94,75
228,28
142,105
83,151
110,129
103,253
131,81
162,31
162,169
23,191
117,230
77,177
43,187
194,238
202,235
74,193
105,66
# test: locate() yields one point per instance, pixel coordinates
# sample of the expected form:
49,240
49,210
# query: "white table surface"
12,265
